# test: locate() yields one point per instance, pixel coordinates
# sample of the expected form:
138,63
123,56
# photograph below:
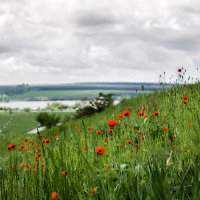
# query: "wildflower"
84,148
112,123
32,165
90,128
166,129
64,173
189,123
107,167
42,164
98,132
129,141
36,158
126,113
155,113
185,99
120,115
35,170
142,137
45,141
100,150
139,132
136,145
54,195
141,113
110,130
11,146
23,165
25,139
94,191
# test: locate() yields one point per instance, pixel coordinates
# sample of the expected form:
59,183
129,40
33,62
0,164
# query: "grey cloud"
107,40
93,18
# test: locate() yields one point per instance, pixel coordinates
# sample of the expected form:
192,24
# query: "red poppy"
36,158
64,173
90,128
107,167
54,195
141,113
84,148
42,164
98,132
94,191
120,115
100,150
126,113
32,165
11,146
142,137
110,130
166,129
139,132
23,165
112,123
155,113
129,141
136,145
185,97
45,141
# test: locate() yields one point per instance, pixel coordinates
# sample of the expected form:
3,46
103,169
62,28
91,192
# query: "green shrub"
48,120
99,104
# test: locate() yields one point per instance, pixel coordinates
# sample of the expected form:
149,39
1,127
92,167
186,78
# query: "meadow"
21,122
146,147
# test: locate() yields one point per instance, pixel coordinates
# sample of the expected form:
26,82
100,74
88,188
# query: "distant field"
20,122
71,94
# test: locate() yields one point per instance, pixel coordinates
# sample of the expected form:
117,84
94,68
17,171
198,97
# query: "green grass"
71,94
22,122
142,171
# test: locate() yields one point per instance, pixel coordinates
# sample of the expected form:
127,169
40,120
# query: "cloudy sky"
61,41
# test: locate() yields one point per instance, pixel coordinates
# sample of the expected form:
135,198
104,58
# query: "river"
34,105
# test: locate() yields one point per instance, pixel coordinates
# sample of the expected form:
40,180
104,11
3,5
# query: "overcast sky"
61,41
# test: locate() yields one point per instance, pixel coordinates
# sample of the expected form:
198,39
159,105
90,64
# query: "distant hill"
73,91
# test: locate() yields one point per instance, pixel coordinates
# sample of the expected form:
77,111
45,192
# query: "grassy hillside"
145,148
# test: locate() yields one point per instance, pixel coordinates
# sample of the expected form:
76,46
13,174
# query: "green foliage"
48,120
17,122
160,168
99,104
